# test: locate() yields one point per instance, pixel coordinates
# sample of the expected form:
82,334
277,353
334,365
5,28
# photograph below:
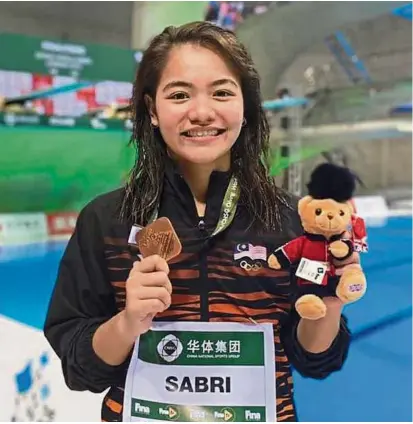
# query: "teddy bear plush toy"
326,214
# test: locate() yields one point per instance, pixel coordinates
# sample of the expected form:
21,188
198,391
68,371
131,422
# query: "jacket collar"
177,190
320,237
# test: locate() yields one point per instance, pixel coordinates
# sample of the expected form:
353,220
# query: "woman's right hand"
148,292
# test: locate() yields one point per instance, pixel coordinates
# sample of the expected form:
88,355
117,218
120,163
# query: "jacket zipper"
203,274
203,264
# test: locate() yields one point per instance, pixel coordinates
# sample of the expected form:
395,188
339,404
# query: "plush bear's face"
324,216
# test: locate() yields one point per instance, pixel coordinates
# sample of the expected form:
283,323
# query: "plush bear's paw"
339,249
311,307
352,285
273,262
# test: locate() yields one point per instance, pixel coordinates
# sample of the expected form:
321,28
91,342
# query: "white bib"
202,371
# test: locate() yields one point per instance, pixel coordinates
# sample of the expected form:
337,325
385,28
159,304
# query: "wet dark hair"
249,154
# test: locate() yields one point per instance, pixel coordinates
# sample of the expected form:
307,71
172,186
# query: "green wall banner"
33,120
92,62
50,169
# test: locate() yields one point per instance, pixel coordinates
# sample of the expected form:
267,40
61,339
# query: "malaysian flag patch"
247,250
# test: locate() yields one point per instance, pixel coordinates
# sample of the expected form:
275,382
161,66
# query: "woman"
198,125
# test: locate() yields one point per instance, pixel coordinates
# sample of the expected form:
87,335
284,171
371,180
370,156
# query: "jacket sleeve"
315,365
81,301
290,252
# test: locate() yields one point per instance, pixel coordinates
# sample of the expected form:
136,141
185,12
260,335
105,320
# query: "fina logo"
170,348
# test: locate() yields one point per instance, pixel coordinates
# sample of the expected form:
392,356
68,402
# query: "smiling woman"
202,114
199,116
199,79
202,140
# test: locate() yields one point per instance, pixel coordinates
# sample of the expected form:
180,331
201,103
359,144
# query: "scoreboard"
73,104
33,63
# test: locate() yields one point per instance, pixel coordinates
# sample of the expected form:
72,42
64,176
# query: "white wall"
94,22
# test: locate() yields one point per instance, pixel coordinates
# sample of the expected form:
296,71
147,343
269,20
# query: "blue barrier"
404,12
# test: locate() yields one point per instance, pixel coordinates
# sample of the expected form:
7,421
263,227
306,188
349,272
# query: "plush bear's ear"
352,206
302,203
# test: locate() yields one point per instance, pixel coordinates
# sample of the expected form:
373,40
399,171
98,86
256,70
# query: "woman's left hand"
317,336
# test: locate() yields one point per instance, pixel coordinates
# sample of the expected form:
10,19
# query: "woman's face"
199,105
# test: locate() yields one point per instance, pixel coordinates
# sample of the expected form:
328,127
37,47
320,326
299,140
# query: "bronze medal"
159,238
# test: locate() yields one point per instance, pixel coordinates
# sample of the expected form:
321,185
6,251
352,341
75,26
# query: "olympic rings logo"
250,268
